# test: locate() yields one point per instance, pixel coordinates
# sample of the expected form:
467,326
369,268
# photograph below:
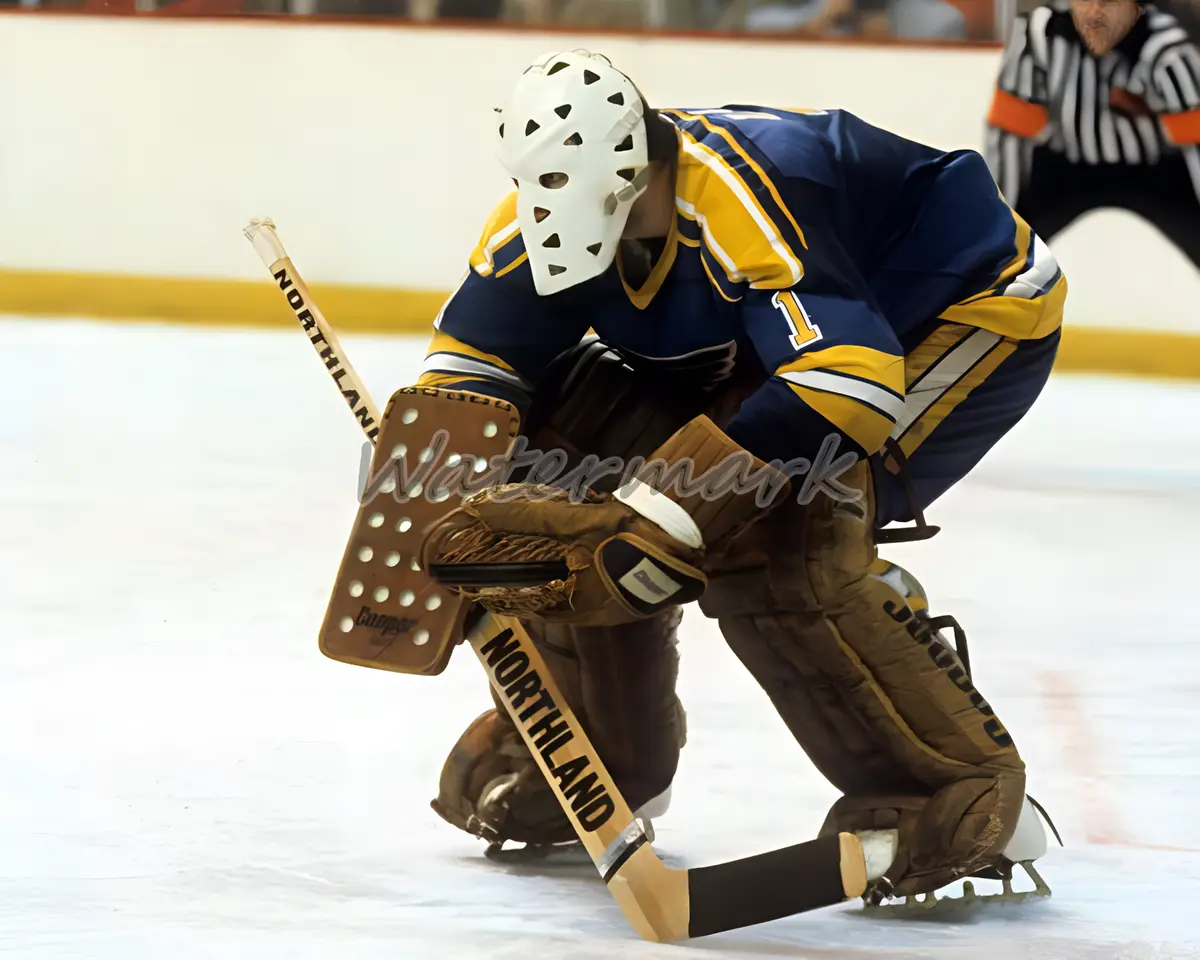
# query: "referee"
1098,105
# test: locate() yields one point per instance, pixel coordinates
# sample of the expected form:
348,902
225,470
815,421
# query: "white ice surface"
183,775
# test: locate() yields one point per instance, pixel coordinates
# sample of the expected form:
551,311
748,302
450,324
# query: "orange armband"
1017,116
1182,128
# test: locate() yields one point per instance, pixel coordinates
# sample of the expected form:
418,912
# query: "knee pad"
620,683
844,647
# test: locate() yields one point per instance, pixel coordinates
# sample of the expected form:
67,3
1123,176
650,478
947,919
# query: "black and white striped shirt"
1052,92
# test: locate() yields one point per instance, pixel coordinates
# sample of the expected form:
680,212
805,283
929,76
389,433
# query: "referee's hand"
1130,104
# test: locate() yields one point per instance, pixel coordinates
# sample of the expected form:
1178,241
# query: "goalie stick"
661,903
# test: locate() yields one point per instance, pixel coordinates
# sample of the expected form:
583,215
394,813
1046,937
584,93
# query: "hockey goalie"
773,338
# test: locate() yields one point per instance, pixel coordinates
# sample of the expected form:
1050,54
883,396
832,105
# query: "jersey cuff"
488,388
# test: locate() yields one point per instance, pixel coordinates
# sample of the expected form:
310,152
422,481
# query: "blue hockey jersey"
822,245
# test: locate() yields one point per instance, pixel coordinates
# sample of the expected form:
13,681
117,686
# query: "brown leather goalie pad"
620,683
619,680
883,708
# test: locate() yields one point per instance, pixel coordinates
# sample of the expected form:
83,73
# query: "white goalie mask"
573,137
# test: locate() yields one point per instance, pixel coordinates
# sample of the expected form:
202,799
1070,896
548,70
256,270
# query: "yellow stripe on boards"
254,304
1156,354
220,303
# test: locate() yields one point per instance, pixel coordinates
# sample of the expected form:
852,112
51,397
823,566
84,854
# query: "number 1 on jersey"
803,330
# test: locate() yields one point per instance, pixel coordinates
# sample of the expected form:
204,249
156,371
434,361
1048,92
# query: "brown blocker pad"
434,447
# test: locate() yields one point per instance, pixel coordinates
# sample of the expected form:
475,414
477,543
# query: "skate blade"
570,853
932,907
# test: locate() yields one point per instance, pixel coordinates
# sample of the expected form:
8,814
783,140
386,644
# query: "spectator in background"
471,9
906,19
829,17
926,20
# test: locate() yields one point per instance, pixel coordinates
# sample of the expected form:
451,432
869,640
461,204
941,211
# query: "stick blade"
769,886
385,611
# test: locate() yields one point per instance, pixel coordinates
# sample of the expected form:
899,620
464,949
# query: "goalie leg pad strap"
882,707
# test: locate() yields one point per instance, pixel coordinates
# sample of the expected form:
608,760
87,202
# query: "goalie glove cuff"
718,485
645,578
663,512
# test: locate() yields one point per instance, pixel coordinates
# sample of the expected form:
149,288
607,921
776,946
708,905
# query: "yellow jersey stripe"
641,297
1024,239
950,367
1024,242
864,425
737,148
884,402
763,258
445,343
884,370
1018,317
930,350
689,229
952,395
438,379
501,227
689,211
451,358
710,250
704,258
512,266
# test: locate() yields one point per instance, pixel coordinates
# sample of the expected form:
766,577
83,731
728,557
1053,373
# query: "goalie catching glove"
531,550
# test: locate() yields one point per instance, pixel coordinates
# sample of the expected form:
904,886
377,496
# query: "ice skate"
1027,845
